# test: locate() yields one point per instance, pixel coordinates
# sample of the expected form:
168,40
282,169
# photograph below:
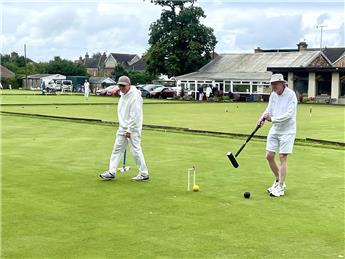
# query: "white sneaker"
107,175
274,185
141,177
278,191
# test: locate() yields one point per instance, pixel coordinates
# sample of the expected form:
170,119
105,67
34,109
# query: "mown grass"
324,122
54,205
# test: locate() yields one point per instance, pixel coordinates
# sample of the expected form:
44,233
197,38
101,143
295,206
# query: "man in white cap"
130,117
281,111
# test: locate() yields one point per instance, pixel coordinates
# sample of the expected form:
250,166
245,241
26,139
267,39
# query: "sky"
70,28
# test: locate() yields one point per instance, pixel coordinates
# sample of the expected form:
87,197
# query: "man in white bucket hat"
281,111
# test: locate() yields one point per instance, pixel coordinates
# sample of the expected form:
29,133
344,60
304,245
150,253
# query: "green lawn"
35,97
326,121
54,205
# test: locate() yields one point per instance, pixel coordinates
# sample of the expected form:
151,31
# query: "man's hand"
261,122
267,116
127,135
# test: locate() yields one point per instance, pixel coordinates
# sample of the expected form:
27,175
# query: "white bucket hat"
277,78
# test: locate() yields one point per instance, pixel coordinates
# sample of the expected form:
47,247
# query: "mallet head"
232,159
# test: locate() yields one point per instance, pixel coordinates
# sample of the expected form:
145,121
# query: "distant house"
97,82
34,81
5,73
95,64
101,65
125,60
311,73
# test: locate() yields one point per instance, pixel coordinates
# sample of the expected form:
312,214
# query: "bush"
15,82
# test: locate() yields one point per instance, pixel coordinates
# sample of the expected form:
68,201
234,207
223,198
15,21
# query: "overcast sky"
70,28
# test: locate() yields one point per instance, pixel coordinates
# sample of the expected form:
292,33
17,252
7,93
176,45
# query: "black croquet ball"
246,195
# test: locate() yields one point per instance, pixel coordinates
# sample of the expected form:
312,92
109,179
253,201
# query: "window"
323,83
300,82
227,86
241,87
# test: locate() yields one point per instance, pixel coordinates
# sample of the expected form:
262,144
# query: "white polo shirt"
282,109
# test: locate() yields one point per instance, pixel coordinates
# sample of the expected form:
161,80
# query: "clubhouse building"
311,73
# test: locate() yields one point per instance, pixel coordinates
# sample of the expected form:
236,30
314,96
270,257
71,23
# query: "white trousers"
120,145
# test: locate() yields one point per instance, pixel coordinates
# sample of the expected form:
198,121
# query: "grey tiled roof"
140,65
250,66
91,62
333,54
123,58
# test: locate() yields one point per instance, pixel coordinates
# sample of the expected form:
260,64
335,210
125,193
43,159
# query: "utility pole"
321,30
26,69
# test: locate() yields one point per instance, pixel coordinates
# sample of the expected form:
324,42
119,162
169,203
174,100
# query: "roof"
99,80
140,65
91,62
38,76
250,66
97,61
333,54
123,58
5,72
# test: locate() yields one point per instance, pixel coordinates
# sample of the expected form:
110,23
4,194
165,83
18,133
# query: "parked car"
150,88
144,92
66,85
163,93
103,91
54,84
114,91
177,89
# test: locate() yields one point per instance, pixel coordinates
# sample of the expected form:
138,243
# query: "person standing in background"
86,89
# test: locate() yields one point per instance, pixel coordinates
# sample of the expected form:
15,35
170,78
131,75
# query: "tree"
179,43
16,63
141,77
137,77
63,67
119,71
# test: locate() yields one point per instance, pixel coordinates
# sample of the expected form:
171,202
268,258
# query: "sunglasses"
122,85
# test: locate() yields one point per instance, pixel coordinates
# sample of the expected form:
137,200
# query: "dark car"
144,92
163,93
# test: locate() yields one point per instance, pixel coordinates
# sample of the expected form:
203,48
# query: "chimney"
257,50
302,46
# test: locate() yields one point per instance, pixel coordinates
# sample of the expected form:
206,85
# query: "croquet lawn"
325,122
55,206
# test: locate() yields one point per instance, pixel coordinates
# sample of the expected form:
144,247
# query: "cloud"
241,27
70,28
